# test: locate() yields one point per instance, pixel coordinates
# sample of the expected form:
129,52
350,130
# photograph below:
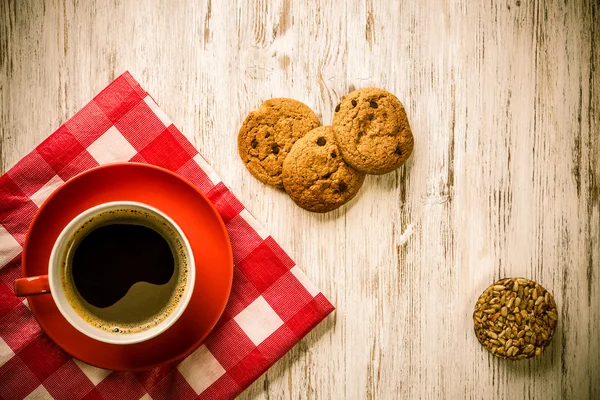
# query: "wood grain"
504,101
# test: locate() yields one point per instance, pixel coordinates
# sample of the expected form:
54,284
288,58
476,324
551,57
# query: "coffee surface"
112,258
124,270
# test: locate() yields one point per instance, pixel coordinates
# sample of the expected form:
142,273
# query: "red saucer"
188,207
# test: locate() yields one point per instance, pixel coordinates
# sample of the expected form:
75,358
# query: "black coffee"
111,258
124,270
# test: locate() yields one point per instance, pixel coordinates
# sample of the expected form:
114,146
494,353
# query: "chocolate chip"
275,149
353,103
370,117
373,104
326,176
337,108
398,151
321,141
333,155
342,187
267,135
254,143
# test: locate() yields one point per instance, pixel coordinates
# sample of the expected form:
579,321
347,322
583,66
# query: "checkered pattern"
272,305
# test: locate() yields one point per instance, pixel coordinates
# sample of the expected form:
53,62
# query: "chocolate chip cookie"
268,133
372,131
316,176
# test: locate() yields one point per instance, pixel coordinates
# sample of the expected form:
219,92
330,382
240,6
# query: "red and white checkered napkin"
272,305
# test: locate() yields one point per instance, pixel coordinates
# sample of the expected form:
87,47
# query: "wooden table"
504,101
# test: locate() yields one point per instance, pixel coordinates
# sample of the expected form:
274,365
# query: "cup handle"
32,285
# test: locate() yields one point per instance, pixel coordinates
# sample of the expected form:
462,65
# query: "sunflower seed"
539,301
538,351
519,318
510,303
528,348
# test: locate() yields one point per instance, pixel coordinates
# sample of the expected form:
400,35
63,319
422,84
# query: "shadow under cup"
122,272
